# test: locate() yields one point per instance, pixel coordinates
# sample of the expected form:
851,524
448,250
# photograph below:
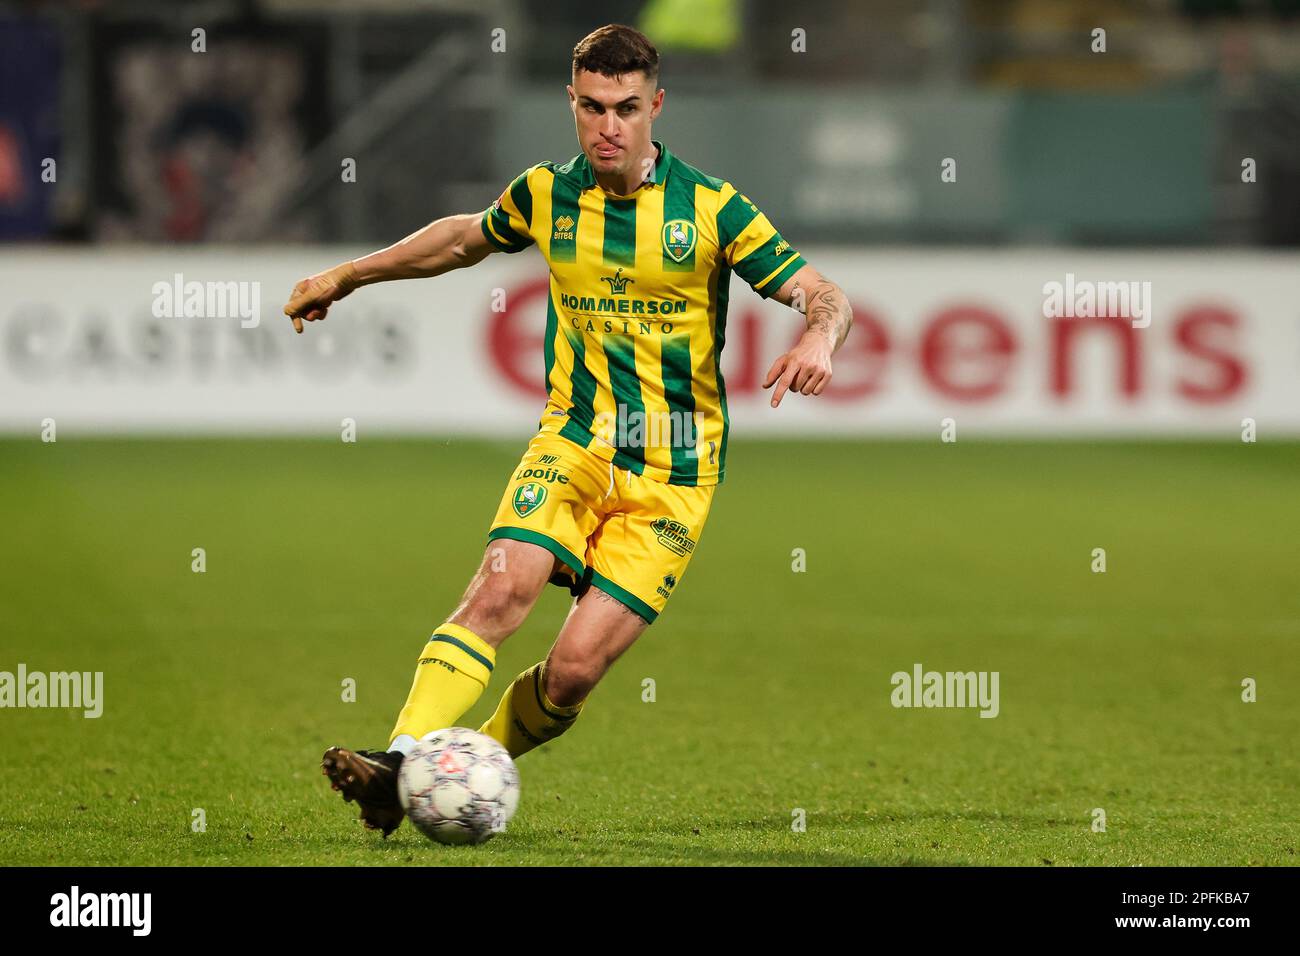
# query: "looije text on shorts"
76,908
638,429
179,299
75,689
922,688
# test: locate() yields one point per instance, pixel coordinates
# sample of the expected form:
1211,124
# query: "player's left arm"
806,368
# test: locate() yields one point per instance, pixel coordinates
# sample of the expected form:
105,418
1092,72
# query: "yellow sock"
526,718
453,670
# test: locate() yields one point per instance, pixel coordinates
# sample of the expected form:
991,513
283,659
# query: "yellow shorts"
630,536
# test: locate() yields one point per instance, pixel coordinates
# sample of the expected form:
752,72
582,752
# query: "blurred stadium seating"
1140,144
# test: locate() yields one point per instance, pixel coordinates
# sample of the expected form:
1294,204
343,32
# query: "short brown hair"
615,49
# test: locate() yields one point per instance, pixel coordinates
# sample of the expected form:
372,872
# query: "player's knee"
499,607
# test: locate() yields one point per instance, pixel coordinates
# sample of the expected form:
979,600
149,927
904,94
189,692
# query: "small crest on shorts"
528,498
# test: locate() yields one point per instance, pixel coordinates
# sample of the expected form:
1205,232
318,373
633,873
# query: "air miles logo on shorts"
528,498
673,535
679,238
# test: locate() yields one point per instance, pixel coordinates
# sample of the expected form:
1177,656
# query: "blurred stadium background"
1141,144
1171,158
131,159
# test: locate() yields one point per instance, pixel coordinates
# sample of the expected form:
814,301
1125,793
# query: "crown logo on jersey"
679,239
617,282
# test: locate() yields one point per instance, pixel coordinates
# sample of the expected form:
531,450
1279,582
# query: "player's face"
613,116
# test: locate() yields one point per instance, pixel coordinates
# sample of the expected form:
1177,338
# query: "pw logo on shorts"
528,498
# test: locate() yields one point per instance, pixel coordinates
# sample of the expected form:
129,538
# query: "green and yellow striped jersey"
637,311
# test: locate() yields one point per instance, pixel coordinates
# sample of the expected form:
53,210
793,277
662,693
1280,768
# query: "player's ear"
657,104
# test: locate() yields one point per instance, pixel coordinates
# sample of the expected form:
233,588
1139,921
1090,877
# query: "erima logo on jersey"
563,228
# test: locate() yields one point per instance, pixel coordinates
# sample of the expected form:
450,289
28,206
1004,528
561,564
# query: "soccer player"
612,493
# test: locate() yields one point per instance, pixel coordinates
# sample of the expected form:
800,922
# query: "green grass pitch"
325,561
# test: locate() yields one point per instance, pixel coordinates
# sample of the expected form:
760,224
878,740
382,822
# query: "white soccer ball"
459,786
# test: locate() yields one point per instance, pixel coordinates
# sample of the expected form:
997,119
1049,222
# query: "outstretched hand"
805,369
313,296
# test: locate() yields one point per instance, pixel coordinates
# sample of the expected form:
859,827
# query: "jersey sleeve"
507,222
752,246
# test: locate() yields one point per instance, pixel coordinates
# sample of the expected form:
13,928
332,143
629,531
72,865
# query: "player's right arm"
453,242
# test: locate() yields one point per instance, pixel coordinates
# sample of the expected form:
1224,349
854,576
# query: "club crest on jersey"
679,238
528,498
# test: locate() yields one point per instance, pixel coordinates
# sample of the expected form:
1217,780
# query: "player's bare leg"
498,599
545,700
597,631
504,590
